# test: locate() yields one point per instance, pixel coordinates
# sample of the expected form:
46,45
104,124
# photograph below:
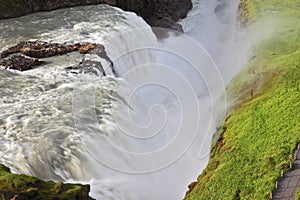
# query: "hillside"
262,129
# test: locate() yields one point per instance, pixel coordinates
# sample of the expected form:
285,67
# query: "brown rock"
284,166
192,185
86,48
21,63
40,49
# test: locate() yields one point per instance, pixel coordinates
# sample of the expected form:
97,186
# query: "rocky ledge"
158,13
29,54
21,187
40,49
21,63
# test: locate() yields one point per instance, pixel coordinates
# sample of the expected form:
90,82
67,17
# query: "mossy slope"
262,132
13,186
297,195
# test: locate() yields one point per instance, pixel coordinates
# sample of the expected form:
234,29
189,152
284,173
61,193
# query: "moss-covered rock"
15,186
263,129
246,12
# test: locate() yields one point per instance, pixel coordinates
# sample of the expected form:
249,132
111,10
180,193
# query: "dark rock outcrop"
157,13
88,67
40,49
31,51
17,8
21,63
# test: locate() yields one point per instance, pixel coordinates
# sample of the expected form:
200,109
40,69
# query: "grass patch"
25,187
263,128
297,197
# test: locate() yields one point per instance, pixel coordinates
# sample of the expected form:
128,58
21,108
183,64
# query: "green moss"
246,11
26,187
263,128
297,197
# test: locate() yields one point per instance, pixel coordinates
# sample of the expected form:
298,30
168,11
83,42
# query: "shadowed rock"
40,49
88,67
21,63
157,13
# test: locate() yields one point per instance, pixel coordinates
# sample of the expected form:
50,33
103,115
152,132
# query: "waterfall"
143,132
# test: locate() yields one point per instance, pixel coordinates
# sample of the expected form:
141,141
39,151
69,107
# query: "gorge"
138,121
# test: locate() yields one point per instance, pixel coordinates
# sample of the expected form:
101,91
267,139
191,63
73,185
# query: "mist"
180,95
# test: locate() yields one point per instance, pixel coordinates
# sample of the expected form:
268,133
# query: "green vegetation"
297,197
26,187
263,128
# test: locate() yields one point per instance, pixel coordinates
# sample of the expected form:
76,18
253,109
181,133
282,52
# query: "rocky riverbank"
158,13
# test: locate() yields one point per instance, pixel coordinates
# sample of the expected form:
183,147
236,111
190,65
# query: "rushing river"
143,131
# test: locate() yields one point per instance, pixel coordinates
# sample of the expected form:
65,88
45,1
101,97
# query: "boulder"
88,67
40,49
32,51
21,63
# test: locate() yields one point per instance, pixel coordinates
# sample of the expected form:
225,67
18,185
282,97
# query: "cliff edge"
262,128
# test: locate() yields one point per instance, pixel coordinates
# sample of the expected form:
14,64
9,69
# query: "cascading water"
143,132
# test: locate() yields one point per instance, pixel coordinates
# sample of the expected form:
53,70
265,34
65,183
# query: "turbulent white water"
145,134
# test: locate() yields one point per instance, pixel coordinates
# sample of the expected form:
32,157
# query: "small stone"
284,166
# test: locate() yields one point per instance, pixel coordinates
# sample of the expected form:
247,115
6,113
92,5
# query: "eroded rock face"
32,51
157,13
17,8
88,67
168,12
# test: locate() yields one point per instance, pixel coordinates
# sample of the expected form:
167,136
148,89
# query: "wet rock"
162,27
159,13
92,67
17,8
87,48
88,67
31,51
155,12
99,50
40,49
21,63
